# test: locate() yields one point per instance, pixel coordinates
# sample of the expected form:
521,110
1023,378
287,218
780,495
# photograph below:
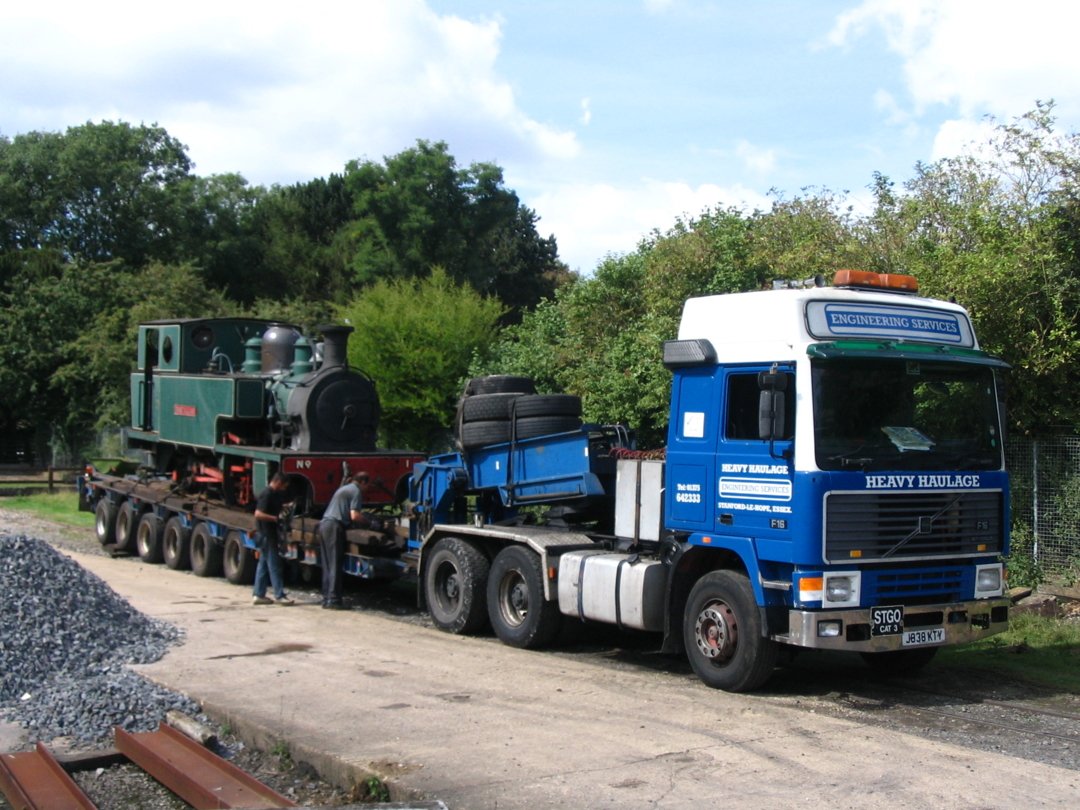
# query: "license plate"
917,638
886,621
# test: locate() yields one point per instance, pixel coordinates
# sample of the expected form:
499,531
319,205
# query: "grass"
60,507
1035,649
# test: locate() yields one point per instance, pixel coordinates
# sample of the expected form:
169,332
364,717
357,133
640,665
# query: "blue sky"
610,119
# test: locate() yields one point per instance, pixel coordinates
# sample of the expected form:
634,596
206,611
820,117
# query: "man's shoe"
284,600
261,600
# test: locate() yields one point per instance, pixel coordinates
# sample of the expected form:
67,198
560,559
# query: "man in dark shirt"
267,511
343,511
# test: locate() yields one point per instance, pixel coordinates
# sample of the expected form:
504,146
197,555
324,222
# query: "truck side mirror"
773,384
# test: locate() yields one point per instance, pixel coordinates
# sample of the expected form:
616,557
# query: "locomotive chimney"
335,345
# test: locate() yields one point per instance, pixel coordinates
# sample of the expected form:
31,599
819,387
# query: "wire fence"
1045,477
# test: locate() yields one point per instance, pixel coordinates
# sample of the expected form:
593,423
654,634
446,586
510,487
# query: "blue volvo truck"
833,478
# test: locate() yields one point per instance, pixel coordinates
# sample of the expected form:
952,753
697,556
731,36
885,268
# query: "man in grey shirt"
343,511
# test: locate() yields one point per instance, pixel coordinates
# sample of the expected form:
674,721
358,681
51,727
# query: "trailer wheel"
148,537
105,521
519,614
900,662
176,544
238,560
205,552
127,520
722,633
455,581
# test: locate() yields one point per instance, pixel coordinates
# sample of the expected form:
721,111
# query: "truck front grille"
911,525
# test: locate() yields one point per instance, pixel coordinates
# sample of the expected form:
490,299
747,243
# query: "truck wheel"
105,521
148,539
205,552
722,633
454,585
176,545
519,614
900,662
238,560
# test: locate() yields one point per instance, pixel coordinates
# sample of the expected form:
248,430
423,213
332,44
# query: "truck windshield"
903,414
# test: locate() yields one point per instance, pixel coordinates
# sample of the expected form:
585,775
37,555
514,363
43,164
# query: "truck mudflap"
896,627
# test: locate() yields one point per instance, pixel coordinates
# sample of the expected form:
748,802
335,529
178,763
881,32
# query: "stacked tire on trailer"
469,587
503,408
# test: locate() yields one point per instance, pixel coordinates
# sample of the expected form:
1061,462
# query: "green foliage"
1024,571
416,339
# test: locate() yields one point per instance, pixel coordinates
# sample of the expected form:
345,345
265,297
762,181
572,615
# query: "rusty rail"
34,779
199,777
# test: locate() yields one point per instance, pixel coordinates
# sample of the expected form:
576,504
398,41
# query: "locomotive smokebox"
335,345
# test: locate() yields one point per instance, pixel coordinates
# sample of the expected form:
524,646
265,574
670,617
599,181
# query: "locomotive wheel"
105,521
127,520
519,614
455,583
500,384
485,407
479,434
148,538
205,552
176,545
533,426
900,662
547,405
238,560
722,633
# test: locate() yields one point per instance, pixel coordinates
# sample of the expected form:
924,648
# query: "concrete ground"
480,725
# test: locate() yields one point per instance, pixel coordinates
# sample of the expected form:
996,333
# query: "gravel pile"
66,639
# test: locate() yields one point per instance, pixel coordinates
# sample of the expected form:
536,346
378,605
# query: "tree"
95,193
415,338
419,210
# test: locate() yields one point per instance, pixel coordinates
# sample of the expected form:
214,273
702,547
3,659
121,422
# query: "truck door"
754,484
691,451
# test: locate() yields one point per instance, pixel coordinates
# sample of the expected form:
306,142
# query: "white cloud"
979,56
756,158
280,93
593,220
586,112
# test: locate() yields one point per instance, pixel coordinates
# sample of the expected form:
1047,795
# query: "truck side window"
741,421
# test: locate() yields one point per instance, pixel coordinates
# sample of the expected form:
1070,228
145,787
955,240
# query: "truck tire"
238,560
105,521
722,633
205,552
176,544
127,521
148,538
547,405
481,434
534,426
500,384
455,585
486,407
519,614
900,662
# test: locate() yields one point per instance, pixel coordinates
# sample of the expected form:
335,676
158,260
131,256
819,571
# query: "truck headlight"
841,589
988,581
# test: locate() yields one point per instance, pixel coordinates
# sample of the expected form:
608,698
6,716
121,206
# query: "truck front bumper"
923,625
